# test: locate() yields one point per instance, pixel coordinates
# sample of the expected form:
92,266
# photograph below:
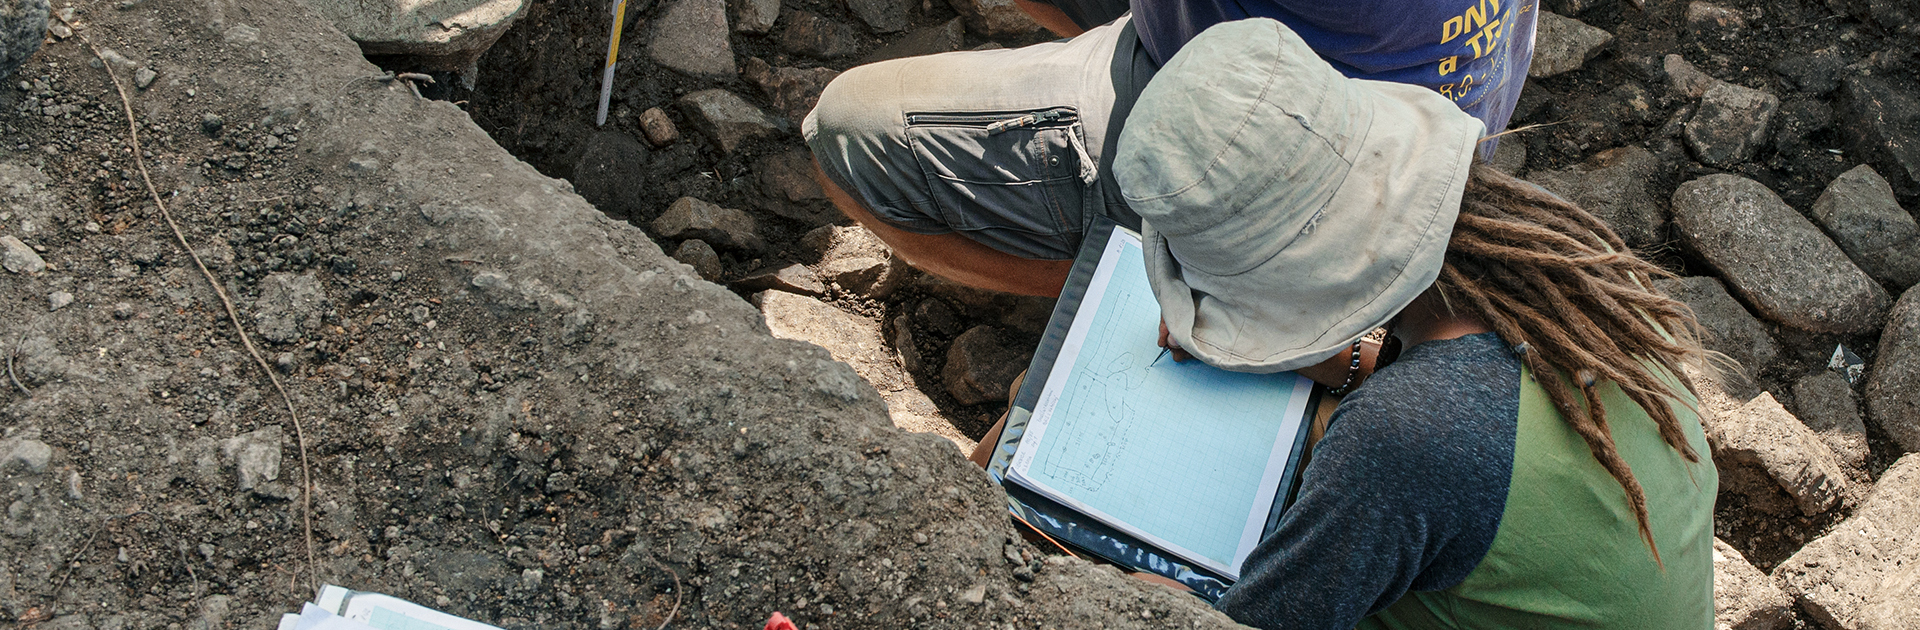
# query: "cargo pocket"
1015,181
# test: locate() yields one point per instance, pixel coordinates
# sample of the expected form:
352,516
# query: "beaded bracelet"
1353,371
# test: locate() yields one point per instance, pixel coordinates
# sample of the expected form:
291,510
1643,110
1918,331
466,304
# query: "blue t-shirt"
1475,52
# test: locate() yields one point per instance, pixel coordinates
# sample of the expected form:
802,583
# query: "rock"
1774,259
691,36
1815,73
1613,186
25,453
58,300
17,257
834,242
1861,576
1797,123
1883,128
787,278
755,16
1572,7
1896,16
995,19
793,91
786,181
1510,158
1731,124
727,119
23,24
814,36
938,317
289,306
1731,330
255,456
611,174
723,227
904,345
932,40
658,127
1685,80
1825,403
1763,434
447,36
876,278
1858,209
883,16
981,365
1712,21
143,78
1563,44
1743,597
1893,385
700,256
858,342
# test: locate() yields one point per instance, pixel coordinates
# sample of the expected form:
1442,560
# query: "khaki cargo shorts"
1011,148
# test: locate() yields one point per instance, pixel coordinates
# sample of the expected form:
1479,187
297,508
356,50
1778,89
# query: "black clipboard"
1070,526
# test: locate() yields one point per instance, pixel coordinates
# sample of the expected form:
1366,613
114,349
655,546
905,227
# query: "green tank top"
1567,553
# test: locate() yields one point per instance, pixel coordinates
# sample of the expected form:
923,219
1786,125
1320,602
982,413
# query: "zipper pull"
1028,120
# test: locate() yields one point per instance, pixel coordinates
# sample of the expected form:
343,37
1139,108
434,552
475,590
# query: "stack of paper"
341,609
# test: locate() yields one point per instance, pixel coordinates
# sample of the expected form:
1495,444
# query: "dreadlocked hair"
1559,286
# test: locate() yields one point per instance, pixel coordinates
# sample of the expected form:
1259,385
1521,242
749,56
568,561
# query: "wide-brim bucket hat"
1287,209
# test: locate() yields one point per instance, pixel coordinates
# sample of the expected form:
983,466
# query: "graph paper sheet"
1185,456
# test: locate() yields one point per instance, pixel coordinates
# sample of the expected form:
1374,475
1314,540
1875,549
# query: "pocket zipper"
997,122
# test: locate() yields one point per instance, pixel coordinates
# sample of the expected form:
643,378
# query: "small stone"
728,120
755,16
285,362
932,40
658,127
1685,80
725,227
1563,44
143,78
530,579
883,16
1893,385
1883,128
814,36
1731,124
26,454
1816,73
700,256
903,344
1730,329
981,365
1613,186
1711,21
691,36
1860,575
1825,403
1775,259
17,257
255,456
975,594
58,300
793,91
1763,434
1743,597
787,278
1859,210
211,124
123,311
611,174
995,19
59,31
876,278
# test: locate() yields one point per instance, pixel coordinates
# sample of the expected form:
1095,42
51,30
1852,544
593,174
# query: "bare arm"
1051,17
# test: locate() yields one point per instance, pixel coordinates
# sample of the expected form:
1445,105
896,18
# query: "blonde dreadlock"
1562,288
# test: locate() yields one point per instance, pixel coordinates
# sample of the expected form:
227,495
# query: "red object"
779,622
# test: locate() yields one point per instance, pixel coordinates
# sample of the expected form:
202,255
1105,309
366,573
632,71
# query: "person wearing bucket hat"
1526,456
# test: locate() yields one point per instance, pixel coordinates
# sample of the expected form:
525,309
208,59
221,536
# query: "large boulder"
1613,186
730,121
1762,434
857,342
1563,44
1826,404
1883,127
1730,329
995,18
691,36
1858,209
448,35
1893,385
23,23
612,174
1775,259
1862,576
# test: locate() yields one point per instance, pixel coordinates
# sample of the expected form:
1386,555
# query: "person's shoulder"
1451,391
